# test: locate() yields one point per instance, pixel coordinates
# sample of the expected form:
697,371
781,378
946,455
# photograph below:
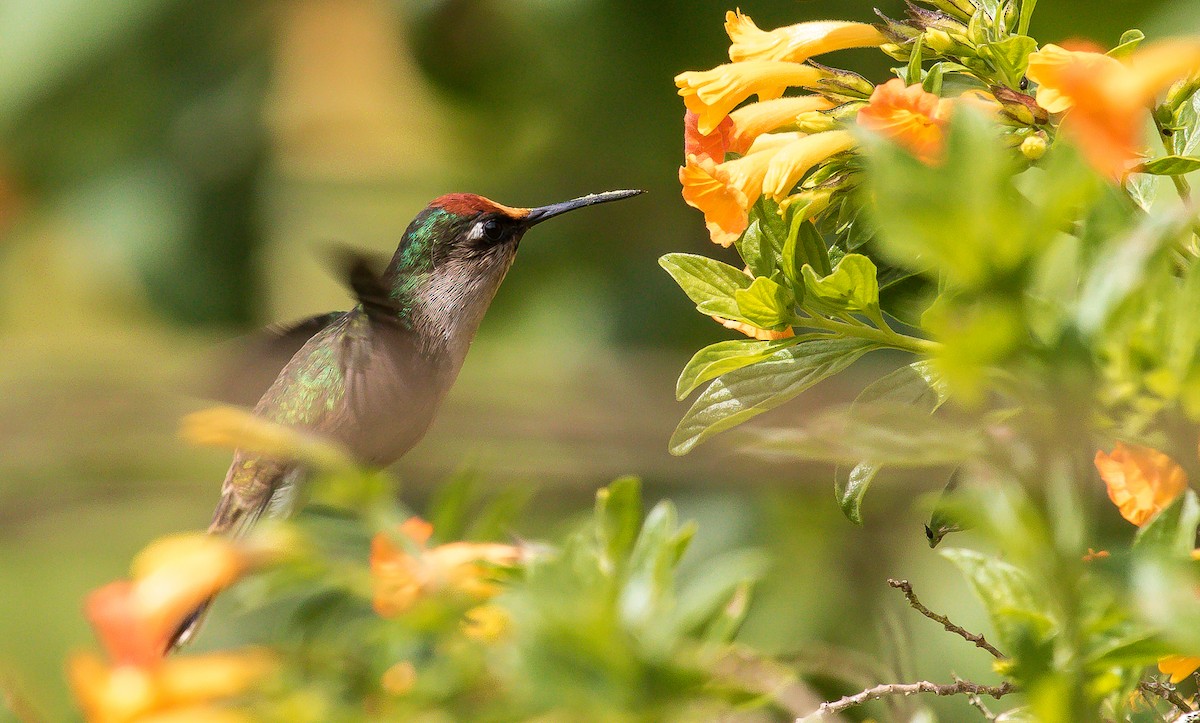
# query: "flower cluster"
798,151
136,621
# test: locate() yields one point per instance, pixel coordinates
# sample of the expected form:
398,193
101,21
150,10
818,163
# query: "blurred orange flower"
185,688
797,42
1141,481
912,117
171,578
724,192
711,94
1107,98
1178,666
402,577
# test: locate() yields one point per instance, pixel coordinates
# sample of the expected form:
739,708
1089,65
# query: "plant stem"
886,337
1182,188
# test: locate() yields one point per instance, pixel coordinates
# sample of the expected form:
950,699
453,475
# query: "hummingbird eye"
493,230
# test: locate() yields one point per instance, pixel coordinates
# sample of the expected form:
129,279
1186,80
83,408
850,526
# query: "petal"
793,161
797,42
711,94
751,121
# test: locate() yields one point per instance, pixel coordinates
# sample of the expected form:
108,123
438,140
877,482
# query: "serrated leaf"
852,287
1007,594
1173,530
766,304
745,393
704,279
716,359
1169,166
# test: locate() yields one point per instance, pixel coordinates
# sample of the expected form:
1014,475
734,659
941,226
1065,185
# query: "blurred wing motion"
346,367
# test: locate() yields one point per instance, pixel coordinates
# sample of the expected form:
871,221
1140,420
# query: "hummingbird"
372,378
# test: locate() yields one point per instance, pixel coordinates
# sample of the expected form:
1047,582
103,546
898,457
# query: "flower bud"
945,43
1020,107
1034,147
961,9
895,51
815,121
838,82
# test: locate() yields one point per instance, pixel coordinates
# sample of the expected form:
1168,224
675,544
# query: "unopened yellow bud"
815,121
1033,147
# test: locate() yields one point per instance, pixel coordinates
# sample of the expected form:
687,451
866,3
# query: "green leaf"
1027,7
761,246
1130,651
1173,530
880,433
1130,40
913,73
959,220
916,385
766,304
937,74
704,279
1006,592
618,518
716,359
1170,166
745,393
852,287
851,489
1010,57
804,245
704,595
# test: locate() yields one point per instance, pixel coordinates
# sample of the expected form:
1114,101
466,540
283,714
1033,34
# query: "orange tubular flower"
1178,666
791,162
711,94
1141,481
179,689
172,577
1107,97
910,116
751,121
798,42
724,192
713,146
401,579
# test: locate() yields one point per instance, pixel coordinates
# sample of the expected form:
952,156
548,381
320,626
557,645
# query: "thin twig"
924,686
978,640
766,677
1166,692
977,703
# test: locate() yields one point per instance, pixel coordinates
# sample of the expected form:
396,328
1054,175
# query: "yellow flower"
1178,666
234,428
790,163
181,688
172,577
401,578
724,192
711,94
1141,481
1107,98
400,678
751,121
795,42
486,623
910,116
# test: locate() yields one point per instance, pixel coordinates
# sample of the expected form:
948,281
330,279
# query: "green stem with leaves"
884,336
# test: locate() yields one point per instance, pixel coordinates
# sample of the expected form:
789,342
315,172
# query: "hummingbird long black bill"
537,215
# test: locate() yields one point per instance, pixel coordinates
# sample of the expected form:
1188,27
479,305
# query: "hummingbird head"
456,252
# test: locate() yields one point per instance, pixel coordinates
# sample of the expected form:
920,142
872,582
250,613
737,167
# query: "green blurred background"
170,171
